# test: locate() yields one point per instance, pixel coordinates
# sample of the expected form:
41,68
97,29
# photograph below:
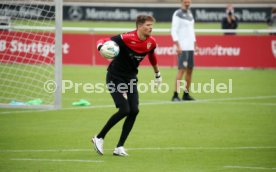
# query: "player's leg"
179,77
188,77
133,100
130,119
181,70
123,110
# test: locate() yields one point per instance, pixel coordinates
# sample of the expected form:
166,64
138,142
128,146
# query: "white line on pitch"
147,103
253,168
201,148
55,160
143,149
244,103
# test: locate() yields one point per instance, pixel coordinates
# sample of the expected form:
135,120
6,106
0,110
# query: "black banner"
243,14
162,14
114,13
118,13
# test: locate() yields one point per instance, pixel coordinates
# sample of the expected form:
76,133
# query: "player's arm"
103,51
235,22
116,38
153,62
178,48
106,52
100,42
196,48
174,31
224,23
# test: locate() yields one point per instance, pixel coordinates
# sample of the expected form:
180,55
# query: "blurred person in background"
272,20
183,35
230,21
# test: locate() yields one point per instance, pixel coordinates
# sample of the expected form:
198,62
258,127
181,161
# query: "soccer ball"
110,49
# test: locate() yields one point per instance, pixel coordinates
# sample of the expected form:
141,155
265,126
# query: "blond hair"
141,19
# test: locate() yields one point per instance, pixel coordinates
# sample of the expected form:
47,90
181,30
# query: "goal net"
30,53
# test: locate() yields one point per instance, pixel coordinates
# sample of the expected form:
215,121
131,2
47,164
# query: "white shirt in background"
183,29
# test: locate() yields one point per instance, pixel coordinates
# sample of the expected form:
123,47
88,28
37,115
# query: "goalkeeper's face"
145,29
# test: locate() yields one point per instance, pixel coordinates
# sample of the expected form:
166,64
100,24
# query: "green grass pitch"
219,132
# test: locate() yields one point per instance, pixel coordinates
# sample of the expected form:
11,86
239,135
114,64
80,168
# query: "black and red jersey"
132,52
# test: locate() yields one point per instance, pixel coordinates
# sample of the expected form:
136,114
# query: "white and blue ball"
110,49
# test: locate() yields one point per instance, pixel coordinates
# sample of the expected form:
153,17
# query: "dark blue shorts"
186,60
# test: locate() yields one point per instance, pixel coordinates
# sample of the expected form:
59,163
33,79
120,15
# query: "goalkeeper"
123,69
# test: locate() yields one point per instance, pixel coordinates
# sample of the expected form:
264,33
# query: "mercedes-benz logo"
75,13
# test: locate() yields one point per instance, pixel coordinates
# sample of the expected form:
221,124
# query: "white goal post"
31,58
